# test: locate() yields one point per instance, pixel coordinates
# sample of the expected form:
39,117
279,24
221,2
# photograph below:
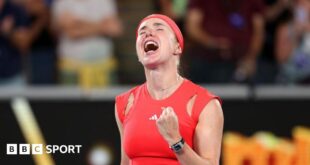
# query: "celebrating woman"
168,120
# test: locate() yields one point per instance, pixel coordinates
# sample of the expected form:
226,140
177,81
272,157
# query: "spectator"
228,36
13,28
85,48
292,45
276,11
175,9
40,44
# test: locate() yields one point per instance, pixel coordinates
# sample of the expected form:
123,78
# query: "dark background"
88,122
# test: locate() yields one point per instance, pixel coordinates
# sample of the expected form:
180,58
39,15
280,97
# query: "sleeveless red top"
141,140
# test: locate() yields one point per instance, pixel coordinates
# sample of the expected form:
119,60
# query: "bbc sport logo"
38,149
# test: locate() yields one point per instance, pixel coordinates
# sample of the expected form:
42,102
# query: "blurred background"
62,62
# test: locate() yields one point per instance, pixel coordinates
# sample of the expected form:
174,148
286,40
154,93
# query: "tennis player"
168,120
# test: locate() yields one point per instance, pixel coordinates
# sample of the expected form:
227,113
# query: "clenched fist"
168,126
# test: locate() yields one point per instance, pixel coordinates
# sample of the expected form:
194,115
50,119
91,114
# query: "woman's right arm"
124,157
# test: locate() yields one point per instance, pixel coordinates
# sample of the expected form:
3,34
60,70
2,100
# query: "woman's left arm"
207,138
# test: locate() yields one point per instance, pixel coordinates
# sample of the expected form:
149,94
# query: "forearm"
255,46
80,30
110,27
124,157
205,152
75,28
86,28
189,156
257,38
23,38
20,40
124,162
274,11
36,29
195,31
201,37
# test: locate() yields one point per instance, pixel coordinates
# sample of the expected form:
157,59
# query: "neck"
161,83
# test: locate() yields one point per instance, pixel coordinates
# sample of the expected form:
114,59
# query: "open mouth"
150,46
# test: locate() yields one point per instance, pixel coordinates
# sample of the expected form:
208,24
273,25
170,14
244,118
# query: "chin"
151,63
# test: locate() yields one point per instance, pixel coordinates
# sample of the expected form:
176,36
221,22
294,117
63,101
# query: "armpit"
129,104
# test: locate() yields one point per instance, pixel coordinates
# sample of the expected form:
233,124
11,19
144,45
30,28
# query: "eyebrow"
156,24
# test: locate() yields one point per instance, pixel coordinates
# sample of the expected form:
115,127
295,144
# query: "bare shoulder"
210,126
212,110
124,101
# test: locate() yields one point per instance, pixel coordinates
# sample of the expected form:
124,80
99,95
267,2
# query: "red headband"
170,22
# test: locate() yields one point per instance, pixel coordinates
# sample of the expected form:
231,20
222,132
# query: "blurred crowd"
72,42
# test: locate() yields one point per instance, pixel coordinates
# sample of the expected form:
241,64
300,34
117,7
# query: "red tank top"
141,140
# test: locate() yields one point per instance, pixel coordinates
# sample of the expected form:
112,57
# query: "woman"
292,45
167,120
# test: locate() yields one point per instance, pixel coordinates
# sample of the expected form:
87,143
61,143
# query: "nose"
149,32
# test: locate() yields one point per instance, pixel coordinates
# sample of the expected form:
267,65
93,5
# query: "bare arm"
273,11
24,37
207,138
110,26
284,44
124,157
247,65
193,27
257,37
79,28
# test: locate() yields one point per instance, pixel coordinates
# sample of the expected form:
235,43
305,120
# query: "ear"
177,50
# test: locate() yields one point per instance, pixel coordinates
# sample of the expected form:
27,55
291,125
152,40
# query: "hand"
168,126
246,69
36,7
250,66
224,45
7,25
69,19
111,27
